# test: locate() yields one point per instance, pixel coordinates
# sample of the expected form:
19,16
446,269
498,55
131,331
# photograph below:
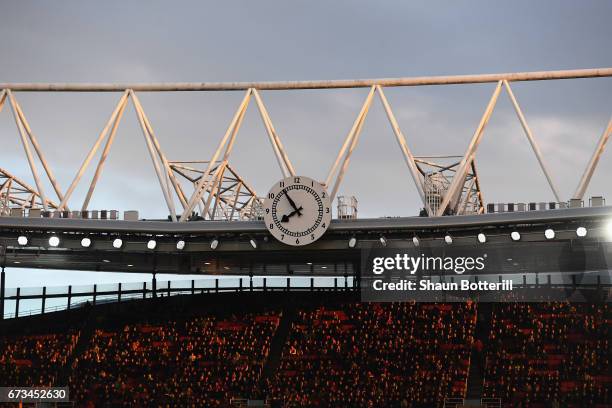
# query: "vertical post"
144,290
169,288
154,285
216,285
44,299
119,293
95,294
335,283
2,292
193,286
288,284
311,284
17,302
265,284
69,296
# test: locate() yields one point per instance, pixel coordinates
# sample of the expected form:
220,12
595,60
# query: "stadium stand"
311,350
543,352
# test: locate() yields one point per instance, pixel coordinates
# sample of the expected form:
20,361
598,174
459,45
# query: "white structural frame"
211,180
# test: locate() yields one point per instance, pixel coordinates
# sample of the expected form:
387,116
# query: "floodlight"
581,232
86,242
117,243
608,230
180,245
54,241
415,241
152,244
549,233
515,235
448,239
482,238
22,240
383,241
253,243
352,242
214,243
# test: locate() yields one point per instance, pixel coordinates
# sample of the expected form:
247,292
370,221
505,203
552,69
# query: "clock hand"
293,205
286,217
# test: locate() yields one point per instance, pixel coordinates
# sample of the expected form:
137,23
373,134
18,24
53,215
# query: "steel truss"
219,193
17,194
232,198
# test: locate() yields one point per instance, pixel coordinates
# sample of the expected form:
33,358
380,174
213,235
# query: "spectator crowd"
325,354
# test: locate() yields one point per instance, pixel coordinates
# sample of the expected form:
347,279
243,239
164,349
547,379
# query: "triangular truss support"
29,143
212,177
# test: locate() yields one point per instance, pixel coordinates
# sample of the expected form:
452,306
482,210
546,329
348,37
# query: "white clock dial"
297,210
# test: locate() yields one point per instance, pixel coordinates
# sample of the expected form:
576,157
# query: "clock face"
297,210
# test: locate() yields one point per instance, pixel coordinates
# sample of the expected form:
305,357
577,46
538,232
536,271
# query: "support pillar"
2,292
154,285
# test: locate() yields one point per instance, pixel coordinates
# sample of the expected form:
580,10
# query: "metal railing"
74,297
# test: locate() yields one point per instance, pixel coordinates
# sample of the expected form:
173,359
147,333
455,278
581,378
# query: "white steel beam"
401,141
92,152
459,177
26,148
231,130
279,151
324,84
590,168
532,141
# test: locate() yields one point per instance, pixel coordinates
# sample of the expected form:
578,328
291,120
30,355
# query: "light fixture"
383,241
415,241
482,238
253,243
152,244
352,242
308,263
214,243
581,232
130,265
609,230
448,239
86,242
54,241
549,233
117,243
180,245
22,240
515,235
105,261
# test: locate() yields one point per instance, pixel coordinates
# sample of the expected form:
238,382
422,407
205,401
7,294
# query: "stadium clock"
297,210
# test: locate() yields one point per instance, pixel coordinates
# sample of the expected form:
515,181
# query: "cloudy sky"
157,41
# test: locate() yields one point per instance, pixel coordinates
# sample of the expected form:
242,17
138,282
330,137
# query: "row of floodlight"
86,242
549,234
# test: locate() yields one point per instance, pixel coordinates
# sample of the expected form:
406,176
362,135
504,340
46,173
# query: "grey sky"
279,40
